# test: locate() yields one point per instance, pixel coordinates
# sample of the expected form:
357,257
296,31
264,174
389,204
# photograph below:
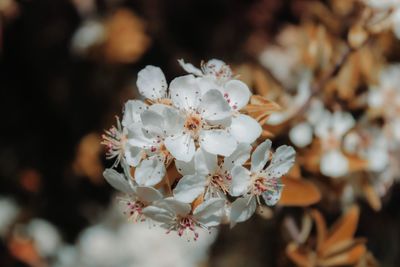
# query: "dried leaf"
356,164
371,196
24,250
126,38
87,161
343,229
299,257
299,192
321,227
261,108
350,257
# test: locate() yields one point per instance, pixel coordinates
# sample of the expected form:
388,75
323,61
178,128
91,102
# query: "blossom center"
193,123
218,181
114,140
134,210
186,226
262,185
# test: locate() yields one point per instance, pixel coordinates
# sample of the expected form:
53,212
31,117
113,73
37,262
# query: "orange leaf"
371,196
260,108
299,192
342,246
343,229
25,251
356,163
321,227
350,257
299,257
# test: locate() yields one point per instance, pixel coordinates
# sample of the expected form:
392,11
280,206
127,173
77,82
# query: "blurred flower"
119,38
386,15
9,210
87,160
45,236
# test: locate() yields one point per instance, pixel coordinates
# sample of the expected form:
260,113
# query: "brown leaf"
24,250
300,257
299,192
321,227
342,247
356,164
343,229
371,196
349,257
126,38
30,180
261,108
87,161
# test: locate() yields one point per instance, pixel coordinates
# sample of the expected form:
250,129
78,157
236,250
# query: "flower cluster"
184,151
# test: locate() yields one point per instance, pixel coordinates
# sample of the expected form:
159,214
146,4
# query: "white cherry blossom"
138,197
206,121
178,216
330,129
259,180
152,84
204,175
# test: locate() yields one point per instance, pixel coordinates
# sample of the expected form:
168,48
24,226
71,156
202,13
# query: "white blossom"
206,176
259,180
177,216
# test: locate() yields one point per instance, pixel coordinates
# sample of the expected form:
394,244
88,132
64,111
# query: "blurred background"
68,66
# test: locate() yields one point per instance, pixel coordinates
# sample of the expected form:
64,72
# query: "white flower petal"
151,83
118,181
189,68
185,168
282,161
323,125
148,194
173,121
185,93
214,107
273,195
153,122
209,208
301,135
189,188
334,164
181,147
237,94
242,209
260,156
238,157
245,129
204,162
218,142
150,172
138,137
175,206
342,122
158,214
132,111
378,159
240,181
133,155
